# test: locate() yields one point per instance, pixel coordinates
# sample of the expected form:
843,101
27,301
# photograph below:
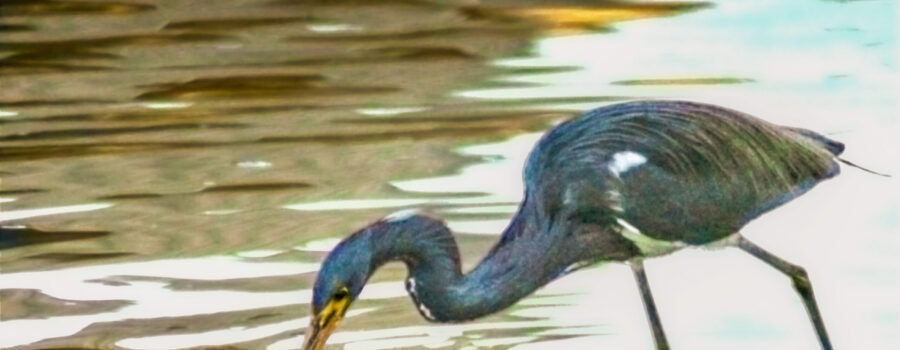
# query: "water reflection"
147,298
324,245
390,111
10,215
59,7
12,236
251,135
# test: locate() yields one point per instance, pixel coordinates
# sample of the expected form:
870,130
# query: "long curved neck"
511,271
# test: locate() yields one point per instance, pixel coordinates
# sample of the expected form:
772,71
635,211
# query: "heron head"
349,265
340,280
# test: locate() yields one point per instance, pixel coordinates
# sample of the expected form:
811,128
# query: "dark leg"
637,267
801,285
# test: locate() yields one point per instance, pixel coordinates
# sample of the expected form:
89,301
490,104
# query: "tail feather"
834,147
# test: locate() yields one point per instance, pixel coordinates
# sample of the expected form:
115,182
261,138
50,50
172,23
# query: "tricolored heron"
621,183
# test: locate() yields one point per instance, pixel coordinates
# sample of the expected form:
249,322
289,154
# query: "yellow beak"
323,324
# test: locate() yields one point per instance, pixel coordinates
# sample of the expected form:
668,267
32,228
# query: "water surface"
174,182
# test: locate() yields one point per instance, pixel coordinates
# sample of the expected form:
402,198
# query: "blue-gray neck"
441,292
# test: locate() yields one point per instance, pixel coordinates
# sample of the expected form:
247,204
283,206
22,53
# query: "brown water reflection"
18,236
51,7
191,124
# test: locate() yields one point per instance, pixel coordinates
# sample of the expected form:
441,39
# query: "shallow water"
175,182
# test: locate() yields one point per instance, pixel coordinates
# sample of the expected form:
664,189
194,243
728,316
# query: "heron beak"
324,323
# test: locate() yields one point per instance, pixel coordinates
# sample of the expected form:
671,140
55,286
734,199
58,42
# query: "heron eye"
340,294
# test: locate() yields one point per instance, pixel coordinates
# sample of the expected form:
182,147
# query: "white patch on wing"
624,161
401,215
648,246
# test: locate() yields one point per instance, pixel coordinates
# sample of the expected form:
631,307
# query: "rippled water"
173,172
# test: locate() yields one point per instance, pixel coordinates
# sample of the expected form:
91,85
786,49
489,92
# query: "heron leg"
801,283
659,336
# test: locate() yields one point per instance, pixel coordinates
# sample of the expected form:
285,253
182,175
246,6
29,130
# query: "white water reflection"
803,72
322,245
7,114
31,213
496,183
384,112
168,105
151,299
222,211
207,269
258,254
483,227
333,28
254,164
221,337
499,175
155,299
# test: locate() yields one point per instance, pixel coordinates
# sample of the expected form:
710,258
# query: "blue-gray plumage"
620,183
